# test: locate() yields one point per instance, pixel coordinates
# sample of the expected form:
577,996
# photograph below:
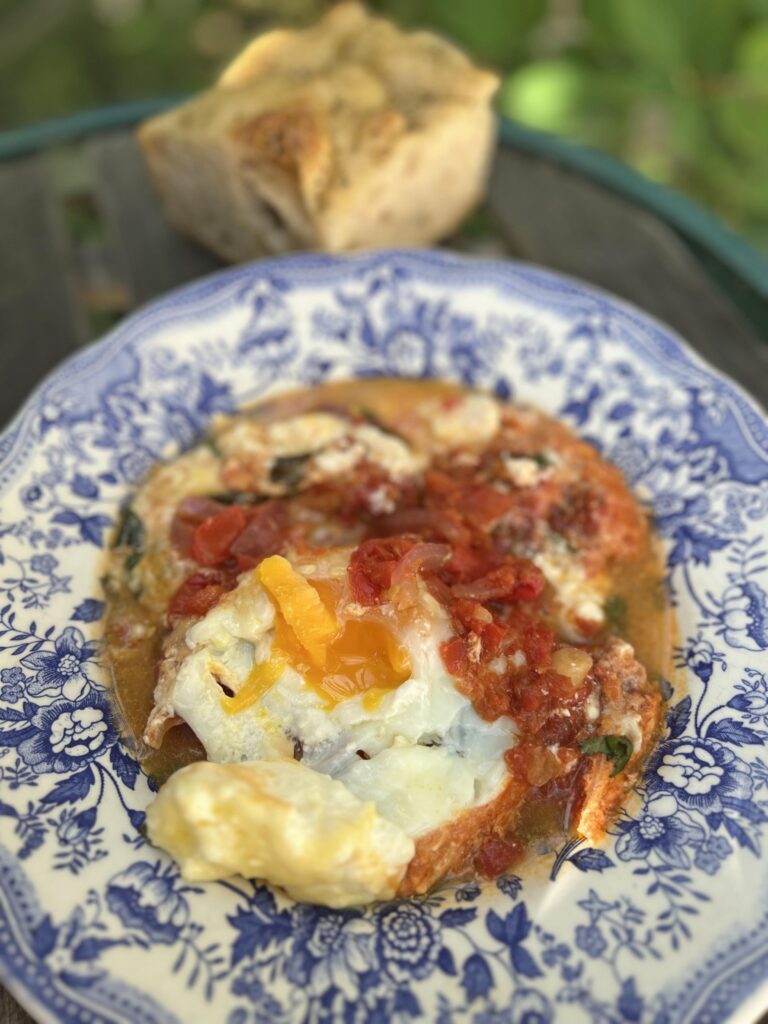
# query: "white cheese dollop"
579,596
417,755
280,821
467,421
332,444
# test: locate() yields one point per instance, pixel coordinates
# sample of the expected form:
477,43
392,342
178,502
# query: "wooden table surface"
83,242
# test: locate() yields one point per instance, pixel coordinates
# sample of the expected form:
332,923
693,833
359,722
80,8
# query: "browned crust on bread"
625,691
285,138
450,849
162,717
340,136
292,141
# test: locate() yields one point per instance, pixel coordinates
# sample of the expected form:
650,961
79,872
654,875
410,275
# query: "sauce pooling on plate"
397,629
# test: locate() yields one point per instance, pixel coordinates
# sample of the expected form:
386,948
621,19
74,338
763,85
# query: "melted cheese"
195,473
333,446
281,821
418,751
462,421
579,596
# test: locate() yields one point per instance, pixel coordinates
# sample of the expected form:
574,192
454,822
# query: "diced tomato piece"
470,614
429,523
518,579
516,760
483,505
438,483
455,655
496,856
213,538
581,513
469,563
538,641
530,581
190,513
198,594
492,634
263,536
372,564
365,590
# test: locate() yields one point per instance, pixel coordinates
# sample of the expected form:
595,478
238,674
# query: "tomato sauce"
466,539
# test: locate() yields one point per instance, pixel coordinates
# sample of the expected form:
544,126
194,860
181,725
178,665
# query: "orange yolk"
313,624
338,661
261,678
364,657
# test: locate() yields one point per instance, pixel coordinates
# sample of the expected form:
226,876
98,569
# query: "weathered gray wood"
563,221
153,256
40,322
546,214
11,1012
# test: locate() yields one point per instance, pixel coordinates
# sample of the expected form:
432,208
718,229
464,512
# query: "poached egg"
335,736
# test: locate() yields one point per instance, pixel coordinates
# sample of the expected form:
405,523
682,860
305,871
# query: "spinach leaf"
130,534
238,498
130,530
288,470
615,748
615,609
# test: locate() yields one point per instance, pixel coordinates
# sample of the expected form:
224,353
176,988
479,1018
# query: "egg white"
280,821
428,754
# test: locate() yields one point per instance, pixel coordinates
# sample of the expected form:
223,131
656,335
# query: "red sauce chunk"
466,532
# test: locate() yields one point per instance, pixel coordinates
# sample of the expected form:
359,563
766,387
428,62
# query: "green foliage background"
677,88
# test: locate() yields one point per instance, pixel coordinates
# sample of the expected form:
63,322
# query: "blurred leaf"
673,36
496,32
709,31
752,56
651,31
689,127
493,32
50,83
599,27
743,123
548,95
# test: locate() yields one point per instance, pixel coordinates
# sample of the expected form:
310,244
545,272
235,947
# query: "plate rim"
126,331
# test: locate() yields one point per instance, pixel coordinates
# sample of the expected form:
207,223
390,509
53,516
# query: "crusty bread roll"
350,134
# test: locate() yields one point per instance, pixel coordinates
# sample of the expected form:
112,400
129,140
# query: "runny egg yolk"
298,602
338,661
261,678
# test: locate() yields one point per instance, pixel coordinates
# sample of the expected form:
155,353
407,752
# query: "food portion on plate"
381,633
350,134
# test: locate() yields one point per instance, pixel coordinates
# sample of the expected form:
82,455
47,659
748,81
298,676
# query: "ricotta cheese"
282,821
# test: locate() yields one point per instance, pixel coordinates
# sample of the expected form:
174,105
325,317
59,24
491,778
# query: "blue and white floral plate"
667,923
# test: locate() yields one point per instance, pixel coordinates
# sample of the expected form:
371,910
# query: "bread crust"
342,136
450,849
625,692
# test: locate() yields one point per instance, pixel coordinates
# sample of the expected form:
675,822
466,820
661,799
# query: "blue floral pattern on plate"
666,922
